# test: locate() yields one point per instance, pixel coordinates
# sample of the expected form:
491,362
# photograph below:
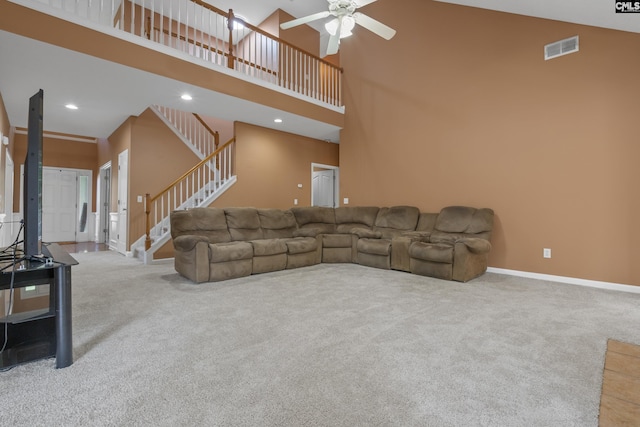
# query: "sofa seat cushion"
374,246
434,252
232,251
336,241
266,247
301,245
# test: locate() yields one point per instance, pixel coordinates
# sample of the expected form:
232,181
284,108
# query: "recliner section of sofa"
213,244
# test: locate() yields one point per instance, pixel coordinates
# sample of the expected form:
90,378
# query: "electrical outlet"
295,201
345,201
546,253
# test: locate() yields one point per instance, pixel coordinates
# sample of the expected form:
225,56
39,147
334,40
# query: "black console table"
38,334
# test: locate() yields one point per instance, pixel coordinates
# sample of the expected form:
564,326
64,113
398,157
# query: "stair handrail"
215,133
149,200
328,83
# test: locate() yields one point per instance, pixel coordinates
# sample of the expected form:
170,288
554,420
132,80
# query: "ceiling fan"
345,20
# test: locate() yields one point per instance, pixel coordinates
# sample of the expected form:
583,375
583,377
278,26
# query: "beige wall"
156,159
270,165
108,151
473,115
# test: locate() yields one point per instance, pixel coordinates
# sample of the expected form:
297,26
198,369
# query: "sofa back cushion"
208,222
276,223
426,221
320,218
395,219
243,223
348,217
461,221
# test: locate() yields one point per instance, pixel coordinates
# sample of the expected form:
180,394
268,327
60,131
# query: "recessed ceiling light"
71,106
278,120
186,97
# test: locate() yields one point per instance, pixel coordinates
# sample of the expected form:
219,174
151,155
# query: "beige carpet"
328,345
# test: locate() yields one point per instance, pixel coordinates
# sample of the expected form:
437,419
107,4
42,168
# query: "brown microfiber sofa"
213,244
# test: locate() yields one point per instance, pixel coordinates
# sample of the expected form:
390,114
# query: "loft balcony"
238,71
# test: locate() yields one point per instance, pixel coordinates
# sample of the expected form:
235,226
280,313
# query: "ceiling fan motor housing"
342,7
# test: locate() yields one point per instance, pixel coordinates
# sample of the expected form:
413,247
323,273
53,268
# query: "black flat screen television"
32,232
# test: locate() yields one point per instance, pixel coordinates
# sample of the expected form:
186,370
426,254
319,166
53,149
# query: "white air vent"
563,47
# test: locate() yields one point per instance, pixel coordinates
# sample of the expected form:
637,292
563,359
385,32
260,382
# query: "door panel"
323,184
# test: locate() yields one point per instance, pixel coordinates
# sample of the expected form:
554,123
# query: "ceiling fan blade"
304,20
374,26
334,40
361,3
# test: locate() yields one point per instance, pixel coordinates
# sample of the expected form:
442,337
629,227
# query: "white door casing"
104,201
324,185
123,194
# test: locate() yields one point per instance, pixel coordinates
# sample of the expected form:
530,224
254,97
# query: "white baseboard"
569,280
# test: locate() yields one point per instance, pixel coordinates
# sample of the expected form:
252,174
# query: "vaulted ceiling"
125,91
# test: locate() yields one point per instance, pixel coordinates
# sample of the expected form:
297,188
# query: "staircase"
197,187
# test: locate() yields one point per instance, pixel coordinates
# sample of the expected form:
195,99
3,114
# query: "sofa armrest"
187,242
306,232
470,258
363,233
475,245
191,257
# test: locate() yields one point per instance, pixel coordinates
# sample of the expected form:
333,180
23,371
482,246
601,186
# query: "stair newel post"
147,204
230,58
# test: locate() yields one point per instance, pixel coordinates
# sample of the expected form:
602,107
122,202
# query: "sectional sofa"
213,244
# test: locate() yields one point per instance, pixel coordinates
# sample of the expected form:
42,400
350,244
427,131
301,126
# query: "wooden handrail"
149,200
187,173
261,31
203,123
216,135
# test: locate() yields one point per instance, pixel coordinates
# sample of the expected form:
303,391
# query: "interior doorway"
123,201
66,204
104,202
324,185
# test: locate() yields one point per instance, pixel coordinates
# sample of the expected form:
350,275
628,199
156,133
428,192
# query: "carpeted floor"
328,345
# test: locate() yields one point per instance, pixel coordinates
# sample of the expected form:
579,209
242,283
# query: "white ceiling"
596,13
108,93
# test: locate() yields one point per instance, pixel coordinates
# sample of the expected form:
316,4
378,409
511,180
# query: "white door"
123,194
59,198
323,188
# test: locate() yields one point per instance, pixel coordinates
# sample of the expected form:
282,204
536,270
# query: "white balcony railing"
211,35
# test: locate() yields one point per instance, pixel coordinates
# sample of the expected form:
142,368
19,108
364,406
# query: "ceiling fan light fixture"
345,30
